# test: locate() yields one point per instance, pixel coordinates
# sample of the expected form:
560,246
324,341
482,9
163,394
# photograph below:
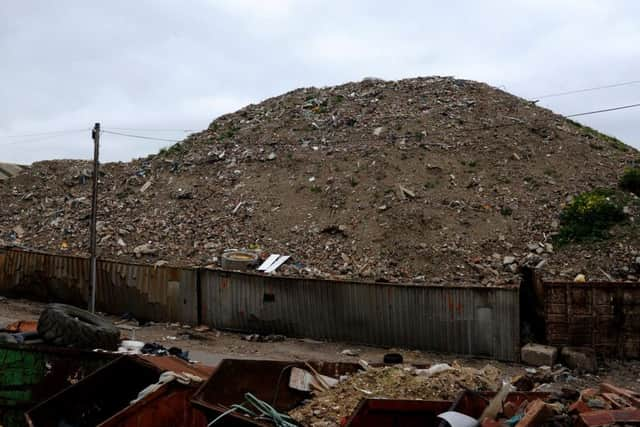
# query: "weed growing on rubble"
630,180
173,149
592,133
506,211
589,216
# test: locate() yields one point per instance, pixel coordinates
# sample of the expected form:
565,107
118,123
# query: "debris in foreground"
393,382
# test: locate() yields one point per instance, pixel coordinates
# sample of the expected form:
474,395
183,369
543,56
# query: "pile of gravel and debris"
426,180
330,407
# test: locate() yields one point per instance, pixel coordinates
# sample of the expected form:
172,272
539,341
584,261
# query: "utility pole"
95,134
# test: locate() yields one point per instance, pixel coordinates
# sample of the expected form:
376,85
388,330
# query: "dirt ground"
210,347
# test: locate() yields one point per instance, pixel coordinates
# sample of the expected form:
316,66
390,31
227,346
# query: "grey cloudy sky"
178,64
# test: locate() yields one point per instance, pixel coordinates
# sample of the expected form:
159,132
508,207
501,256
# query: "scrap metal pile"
69,383
426,180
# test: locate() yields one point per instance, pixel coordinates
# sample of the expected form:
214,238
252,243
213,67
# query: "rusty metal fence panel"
475,321
602,315
44,277
147,292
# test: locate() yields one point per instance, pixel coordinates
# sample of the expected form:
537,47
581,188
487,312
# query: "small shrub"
630,180
174,149
315,189
589,216
506,211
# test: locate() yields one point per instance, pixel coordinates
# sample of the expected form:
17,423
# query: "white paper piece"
267,263
456,419
305,381
277,264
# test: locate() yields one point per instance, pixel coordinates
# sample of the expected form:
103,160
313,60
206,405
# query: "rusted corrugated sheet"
602,315
155,293
147,292
43,276
465,320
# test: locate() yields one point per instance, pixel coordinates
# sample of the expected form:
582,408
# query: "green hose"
259,408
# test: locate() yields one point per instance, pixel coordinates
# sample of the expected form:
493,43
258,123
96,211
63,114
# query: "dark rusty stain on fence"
147,292
602,315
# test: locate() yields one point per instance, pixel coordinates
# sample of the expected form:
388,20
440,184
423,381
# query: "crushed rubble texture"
427,180
392,382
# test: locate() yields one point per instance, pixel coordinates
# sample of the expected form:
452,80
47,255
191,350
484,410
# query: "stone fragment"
539,355
581,359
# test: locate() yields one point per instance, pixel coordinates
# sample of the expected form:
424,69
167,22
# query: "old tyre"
69,326
238,260
392,359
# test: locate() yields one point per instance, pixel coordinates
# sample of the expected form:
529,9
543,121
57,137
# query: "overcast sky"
178,64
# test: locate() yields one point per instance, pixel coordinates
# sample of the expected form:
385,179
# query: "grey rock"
582,359
539,355
508,260
146,249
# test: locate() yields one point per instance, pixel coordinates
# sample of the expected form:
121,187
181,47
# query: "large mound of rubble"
433,180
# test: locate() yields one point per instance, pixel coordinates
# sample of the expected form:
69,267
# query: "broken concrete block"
539,355
579,358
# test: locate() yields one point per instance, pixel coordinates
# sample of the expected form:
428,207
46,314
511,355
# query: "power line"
152,138
56,134
44,138
590,89
623,107
156,130
52,133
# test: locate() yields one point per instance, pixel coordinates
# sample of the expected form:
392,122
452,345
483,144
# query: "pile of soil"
427,180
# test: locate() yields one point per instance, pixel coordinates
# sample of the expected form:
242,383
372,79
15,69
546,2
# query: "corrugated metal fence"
463,320
147,292
476,321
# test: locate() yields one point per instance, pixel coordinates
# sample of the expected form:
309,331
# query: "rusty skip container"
424,413
396,413
169,406
104,398
268,380
30,374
